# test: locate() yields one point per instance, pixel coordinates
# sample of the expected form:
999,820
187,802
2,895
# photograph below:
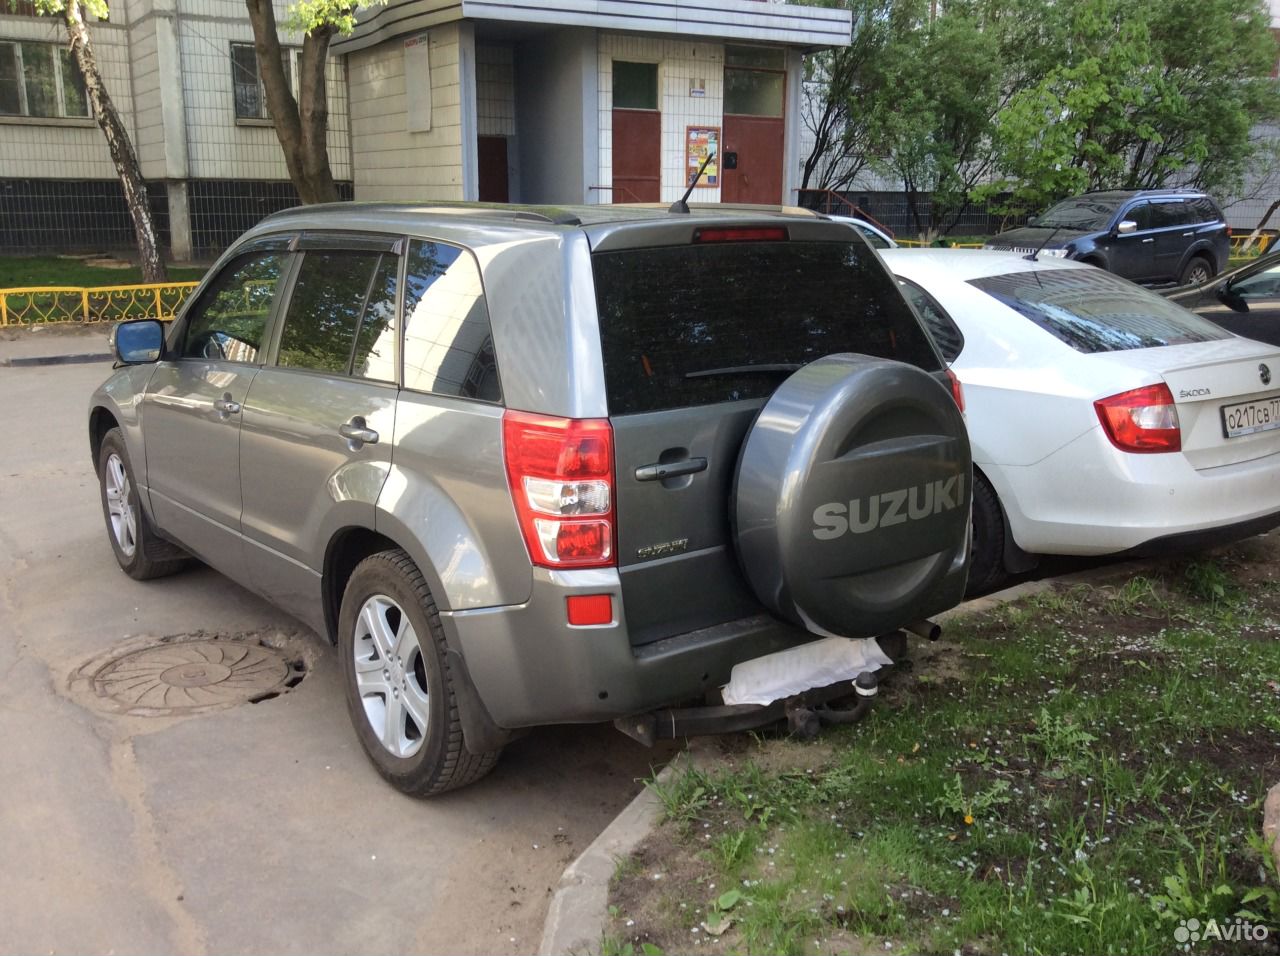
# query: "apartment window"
40,79
246,79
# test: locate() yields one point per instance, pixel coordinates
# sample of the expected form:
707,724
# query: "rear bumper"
1088,498
529,667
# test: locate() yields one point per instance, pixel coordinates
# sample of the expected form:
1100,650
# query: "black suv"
1148,235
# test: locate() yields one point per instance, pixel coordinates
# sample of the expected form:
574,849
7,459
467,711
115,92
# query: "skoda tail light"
1141,420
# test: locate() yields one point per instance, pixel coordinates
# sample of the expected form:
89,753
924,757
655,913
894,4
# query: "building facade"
607,101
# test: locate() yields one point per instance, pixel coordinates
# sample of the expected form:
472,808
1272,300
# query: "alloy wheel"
390,675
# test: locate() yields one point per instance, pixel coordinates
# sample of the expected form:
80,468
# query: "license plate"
1246,418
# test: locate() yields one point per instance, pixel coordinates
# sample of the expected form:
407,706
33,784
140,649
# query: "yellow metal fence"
116,303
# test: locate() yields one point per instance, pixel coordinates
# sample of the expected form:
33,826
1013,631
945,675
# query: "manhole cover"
185,675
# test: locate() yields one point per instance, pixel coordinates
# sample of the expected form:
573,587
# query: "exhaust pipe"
929,630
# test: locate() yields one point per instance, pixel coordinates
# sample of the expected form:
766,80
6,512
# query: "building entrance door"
491,156
637,133
754,97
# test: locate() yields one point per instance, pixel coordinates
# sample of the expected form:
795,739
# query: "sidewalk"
54,344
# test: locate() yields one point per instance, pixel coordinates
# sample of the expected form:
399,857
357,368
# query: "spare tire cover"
851,501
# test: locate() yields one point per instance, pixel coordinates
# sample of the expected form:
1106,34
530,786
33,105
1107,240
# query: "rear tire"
140,552
399,686
1198,271
987,568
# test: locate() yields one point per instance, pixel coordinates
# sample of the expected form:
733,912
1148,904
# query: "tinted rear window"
671,315
1095,311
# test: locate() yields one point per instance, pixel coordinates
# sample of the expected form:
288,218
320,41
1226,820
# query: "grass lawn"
19,271
1079,772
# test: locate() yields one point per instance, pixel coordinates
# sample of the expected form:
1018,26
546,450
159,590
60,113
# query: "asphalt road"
259,828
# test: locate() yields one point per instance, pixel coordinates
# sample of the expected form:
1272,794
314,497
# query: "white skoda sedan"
1103,417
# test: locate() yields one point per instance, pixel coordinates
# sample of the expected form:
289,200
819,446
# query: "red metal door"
491,156
637,161
757,143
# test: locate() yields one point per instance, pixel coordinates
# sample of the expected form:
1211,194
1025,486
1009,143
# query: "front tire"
140,552
398,683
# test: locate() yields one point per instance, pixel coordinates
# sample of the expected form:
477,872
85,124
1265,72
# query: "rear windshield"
720,322
1095,311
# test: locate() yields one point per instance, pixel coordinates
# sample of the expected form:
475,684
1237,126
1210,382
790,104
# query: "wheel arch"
101,421
347,548
1016,560
1204,250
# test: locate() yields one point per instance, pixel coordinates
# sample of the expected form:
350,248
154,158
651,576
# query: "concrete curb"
1271,823
34,360
580,907
578,911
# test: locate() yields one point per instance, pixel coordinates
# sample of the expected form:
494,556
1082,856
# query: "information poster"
701,142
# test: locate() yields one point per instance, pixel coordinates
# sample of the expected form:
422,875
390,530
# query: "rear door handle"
358,433
670,469
1145,241
226,406
1185,234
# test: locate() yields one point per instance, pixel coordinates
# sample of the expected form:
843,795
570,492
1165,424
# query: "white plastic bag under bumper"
797,669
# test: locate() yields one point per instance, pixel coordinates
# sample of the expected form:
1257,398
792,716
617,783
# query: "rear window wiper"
764,368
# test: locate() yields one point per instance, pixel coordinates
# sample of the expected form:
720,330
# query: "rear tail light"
1142,420
957,390
560,471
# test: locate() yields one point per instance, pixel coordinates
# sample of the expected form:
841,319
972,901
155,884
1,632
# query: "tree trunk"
301,124
118,143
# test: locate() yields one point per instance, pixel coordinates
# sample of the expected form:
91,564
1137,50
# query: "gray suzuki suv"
529,466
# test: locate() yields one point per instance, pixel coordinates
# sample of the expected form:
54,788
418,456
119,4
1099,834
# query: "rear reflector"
585,610
739,234
1141,420
957,390
560,472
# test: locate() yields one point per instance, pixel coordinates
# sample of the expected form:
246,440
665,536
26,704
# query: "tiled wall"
389,161
495,91
70,149
219,147
680,63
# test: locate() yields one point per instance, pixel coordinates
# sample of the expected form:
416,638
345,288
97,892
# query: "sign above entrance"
701,142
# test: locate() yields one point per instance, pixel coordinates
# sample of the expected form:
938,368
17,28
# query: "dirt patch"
661,895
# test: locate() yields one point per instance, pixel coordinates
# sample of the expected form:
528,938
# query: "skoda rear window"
1095,311
720,322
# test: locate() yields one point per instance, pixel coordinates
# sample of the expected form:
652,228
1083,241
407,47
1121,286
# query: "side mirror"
1126,226
1232,300
1033,220
137,342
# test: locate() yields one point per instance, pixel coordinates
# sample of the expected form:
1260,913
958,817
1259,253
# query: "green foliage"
971,806
1145,93
1035,101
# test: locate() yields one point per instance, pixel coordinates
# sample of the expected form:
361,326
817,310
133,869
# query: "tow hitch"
805,712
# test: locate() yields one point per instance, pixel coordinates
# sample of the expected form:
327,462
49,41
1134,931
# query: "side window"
1167,214
945,333
229,321
448,343
1263,285
325,309
1203,210
1141,214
